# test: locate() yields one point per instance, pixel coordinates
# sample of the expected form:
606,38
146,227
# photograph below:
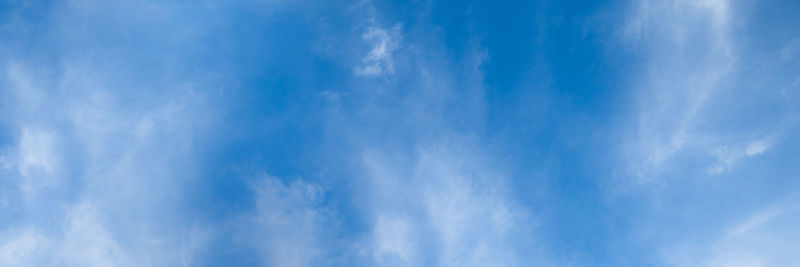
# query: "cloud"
39,162
706,100
378,60
428,192
109,170
393,239
36,152
450,210
290,223
783,207
691,67
96,172
122,136
766,238
728,156
84,242
474,224
24,248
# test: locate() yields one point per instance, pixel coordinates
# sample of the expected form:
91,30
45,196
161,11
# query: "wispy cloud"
86,171
766,238
728,156
785,206
85,241
24,247
378,61
77,231
451,210
394,238
290,223
692,62
690,55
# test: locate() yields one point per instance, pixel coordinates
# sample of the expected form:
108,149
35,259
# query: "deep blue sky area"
399,133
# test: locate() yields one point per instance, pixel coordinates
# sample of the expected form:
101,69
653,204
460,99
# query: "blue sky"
399,133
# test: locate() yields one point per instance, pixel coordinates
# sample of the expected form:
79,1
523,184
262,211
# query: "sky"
399,133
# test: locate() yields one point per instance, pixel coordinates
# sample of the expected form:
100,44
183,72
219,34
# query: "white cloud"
696,110
24,248
728,156
393,239
36,149
433,198
87,242
694,99
289,223
450,209
36,154
100,159
378,60
469,211
757,147
693,77
691,58
39,160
